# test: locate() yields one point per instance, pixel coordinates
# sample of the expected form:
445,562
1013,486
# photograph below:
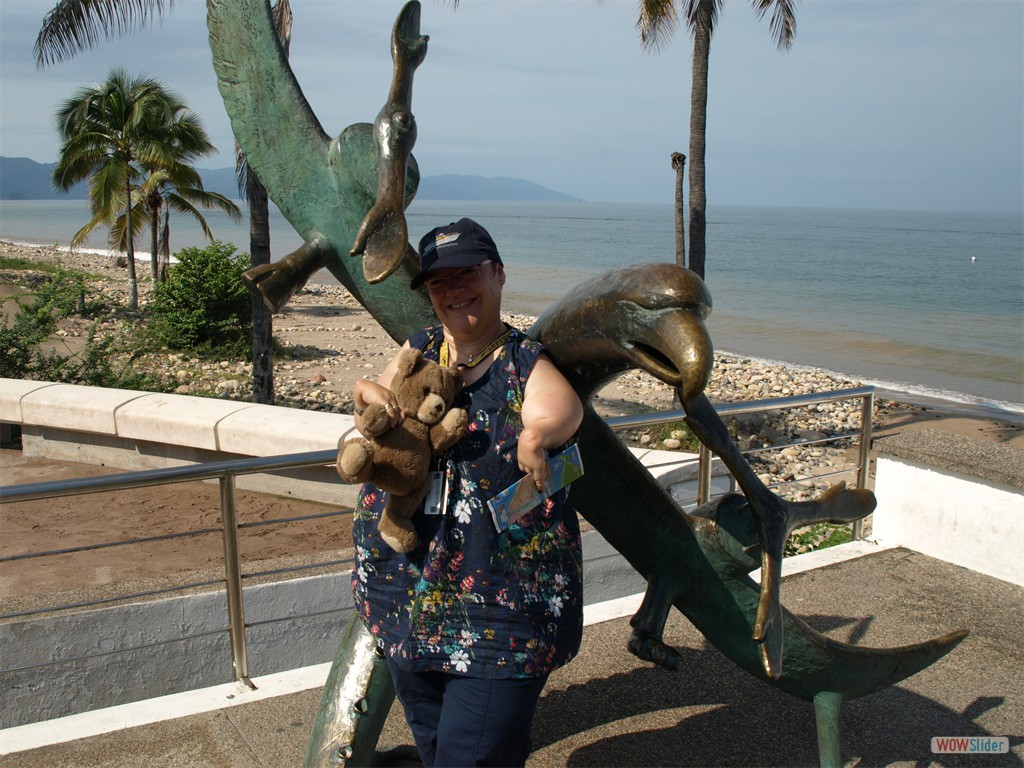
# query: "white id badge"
436,496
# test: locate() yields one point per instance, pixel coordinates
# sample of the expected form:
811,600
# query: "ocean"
928,306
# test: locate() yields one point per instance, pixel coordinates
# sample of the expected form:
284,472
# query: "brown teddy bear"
398,460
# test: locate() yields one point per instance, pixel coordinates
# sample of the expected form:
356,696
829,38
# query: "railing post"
704,475
233,579
867,415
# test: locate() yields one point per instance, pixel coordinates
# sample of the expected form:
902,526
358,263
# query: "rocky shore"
331,341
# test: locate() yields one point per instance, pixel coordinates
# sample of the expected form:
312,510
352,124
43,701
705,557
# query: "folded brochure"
519,498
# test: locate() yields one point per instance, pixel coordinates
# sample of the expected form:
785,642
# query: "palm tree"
108,132
678,165
165,186
75,25
656,23
180,187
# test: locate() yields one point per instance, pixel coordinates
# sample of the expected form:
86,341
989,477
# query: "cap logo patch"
444,238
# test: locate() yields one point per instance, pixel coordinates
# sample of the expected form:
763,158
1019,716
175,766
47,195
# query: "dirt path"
83,521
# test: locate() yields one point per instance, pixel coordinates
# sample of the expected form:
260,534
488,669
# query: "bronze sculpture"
325,187
346,196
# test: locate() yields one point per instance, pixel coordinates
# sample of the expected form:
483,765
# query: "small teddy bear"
398,460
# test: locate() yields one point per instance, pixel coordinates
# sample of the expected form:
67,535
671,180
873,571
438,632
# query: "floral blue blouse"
470,600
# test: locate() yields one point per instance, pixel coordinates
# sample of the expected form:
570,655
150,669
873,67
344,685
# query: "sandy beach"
331,342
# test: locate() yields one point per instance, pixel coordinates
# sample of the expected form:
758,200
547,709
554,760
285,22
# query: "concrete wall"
138,652
134,431
952,498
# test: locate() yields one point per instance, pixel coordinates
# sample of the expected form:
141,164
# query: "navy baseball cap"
463,243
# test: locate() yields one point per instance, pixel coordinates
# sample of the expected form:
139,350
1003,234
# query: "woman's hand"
369,393
532,457
552,413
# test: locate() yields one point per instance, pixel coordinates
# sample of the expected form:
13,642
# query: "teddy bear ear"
408,359
456,374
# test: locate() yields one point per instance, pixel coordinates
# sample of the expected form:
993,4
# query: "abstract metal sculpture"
347,196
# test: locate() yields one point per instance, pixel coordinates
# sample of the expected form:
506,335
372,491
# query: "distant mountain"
24,179
452,187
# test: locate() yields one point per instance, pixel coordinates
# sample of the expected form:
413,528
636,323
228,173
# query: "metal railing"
704,462
226,472
223,471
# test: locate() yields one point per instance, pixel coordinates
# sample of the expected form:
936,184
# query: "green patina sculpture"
346,197
333,191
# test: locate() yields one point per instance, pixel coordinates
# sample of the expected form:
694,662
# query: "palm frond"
657,21
783,20
153,184
118,237
281,14
188,196
181,205
243,174
82,234
76,25
106,187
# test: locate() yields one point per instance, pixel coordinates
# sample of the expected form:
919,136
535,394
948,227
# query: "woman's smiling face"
467,300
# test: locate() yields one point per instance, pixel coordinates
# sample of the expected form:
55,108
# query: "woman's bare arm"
552,413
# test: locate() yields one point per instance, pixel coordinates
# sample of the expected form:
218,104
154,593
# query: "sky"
879,104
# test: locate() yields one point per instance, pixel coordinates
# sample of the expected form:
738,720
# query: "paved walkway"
607,708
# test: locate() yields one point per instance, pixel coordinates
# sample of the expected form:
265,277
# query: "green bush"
105,360
818,536
18,342
64,294
55,297
203,306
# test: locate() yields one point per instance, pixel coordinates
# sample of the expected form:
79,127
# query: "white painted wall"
963,520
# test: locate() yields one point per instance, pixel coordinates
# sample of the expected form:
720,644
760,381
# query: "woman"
473,621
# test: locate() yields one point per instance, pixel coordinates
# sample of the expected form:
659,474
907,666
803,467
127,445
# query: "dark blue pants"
468,721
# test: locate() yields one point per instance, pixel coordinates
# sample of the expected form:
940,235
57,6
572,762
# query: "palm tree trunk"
262,319
259,245
154,244
165,246
133,281
678,164
698,126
